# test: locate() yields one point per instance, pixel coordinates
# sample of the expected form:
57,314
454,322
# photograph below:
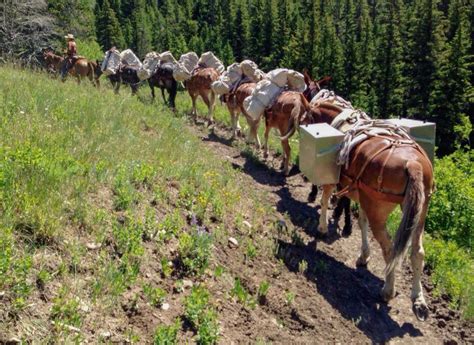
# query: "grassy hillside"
94,190
111,207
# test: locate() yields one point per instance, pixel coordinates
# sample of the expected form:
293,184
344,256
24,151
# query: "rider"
71,54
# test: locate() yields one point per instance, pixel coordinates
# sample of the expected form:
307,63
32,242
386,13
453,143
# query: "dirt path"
334,302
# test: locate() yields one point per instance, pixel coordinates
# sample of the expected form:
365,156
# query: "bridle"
311,91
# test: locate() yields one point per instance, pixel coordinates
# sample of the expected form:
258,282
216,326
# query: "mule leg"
253,133
313,194
365,249
323,218
193,100
287,156
343,205
347,229
265,140
237,123
152,88
234,121
417,261
163,94
212,103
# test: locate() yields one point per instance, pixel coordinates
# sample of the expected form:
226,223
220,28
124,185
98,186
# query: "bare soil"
335,302
331,301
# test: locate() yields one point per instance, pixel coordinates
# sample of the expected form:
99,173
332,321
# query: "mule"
381,173
52,61
83,68
163,78
126,75
289,104
343,203
234,102
200,85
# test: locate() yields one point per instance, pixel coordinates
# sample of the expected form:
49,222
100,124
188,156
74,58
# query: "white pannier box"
423,133
319,147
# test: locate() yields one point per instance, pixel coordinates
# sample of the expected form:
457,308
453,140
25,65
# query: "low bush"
451,212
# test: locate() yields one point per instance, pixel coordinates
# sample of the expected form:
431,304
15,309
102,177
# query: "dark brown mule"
234,103
384,172
200,85
289,105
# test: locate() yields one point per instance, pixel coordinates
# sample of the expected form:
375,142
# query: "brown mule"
52,61
384,172
83,68
289,105
235,105
200,85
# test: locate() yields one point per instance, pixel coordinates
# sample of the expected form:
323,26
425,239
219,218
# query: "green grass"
452,268
81,166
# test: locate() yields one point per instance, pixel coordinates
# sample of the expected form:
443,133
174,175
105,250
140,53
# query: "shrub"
156,296
202,317
242,295
167,335
453,273
451,212
194,251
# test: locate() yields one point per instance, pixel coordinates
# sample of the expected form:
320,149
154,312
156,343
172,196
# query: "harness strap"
357,183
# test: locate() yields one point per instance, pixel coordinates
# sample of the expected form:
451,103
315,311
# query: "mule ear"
324,80
307,78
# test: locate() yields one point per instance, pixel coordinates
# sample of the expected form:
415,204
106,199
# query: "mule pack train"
378,163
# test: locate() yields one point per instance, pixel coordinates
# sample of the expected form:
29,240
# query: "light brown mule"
289,104
200,85
83,68
384,172
234,103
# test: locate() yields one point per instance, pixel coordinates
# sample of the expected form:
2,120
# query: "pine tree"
240,33
109,33
448,103
142,40
363,92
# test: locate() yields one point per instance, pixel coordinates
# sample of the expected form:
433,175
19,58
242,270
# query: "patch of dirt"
334,301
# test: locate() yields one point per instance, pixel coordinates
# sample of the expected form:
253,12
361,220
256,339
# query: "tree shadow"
352,292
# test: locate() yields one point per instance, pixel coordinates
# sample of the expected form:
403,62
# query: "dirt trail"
335,302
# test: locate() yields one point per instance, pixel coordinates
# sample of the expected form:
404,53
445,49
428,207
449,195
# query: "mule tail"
295,118
91,72
412,213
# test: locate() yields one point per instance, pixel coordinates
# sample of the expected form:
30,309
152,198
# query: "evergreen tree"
109,33
240,33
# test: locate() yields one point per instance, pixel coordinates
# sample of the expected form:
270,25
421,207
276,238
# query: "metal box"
319,147
422,132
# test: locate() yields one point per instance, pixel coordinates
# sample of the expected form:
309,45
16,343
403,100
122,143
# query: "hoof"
362,262
321,235
347,230
420,309
265,154
312,197
322,231
387,295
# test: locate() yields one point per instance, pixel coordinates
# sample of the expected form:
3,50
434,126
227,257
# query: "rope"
365,129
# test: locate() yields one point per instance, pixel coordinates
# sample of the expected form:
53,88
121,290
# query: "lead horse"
382,172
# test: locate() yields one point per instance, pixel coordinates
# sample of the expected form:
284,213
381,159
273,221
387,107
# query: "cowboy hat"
69,36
